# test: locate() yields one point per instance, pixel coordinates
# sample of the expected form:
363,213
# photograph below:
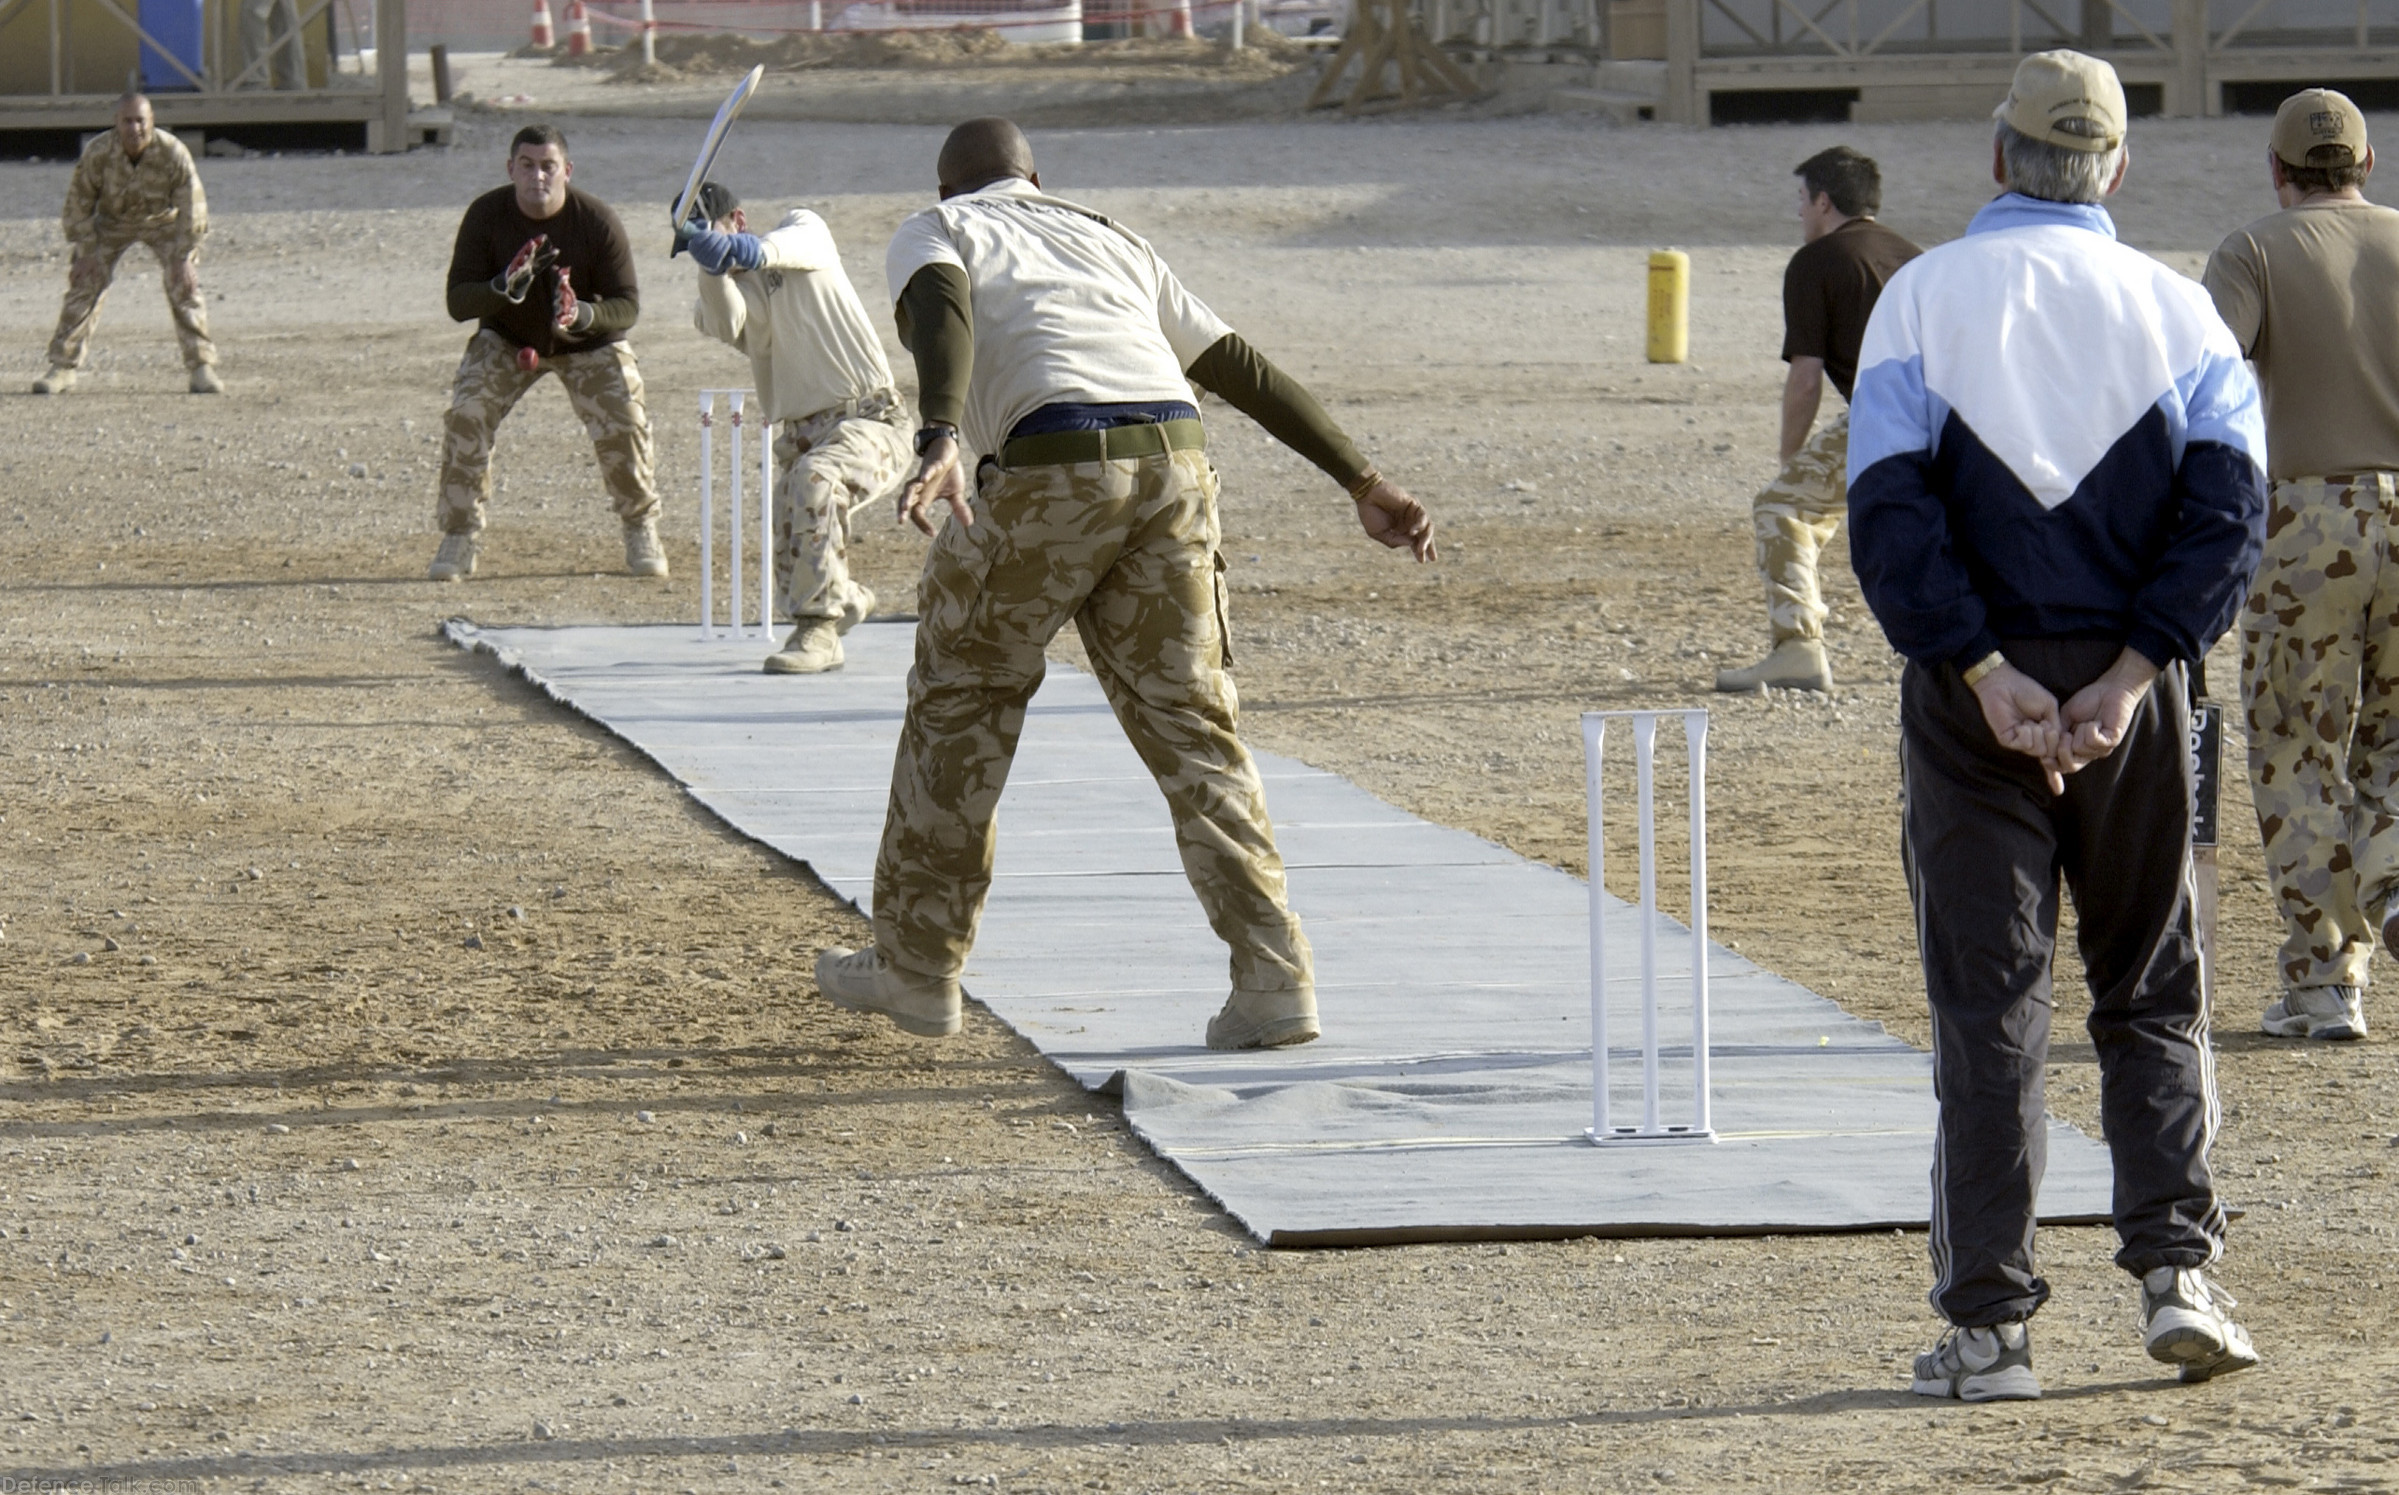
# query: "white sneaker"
57,382
2185,1323
205,380
1980,1365
643,556
455,561
2332,1013
863,981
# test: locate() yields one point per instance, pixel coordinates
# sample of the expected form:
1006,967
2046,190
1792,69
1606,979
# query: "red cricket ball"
527,359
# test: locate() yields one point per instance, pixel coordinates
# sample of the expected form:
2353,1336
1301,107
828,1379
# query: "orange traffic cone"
578,29
543,34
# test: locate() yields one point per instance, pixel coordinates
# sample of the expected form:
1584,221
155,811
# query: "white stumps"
766,525
733,503
735,400
1645,739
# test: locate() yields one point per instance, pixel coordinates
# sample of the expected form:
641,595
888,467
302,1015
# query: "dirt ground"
403,1086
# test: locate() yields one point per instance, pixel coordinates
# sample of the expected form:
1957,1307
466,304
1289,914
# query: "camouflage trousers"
89,276
603,385
1127,550
1796,516
2320,684
828,466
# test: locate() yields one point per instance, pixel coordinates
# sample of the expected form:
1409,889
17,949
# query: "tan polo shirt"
1069,307
2312,295
811,346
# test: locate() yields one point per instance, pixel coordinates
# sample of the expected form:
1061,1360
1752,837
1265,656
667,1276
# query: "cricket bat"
718,129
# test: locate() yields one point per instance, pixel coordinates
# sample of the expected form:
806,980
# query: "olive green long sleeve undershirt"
936,321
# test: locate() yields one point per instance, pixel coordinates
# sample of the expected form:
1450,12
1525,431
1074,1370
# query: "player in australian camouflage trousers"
2312,295
1094,504
132,186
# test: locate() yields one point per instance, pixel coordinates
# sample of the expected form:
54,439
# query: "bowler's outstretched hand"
940,478
2023,716
1390,517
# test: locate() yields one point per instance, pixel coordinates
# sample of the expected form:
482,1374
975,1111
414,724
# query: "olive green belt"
1065,448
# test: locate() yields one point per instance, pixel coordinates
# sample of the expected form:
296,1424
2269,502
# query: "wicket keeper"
545,272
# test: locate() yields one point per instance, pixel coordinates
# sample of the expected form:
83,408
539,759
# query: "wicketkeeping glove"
568,313
515,281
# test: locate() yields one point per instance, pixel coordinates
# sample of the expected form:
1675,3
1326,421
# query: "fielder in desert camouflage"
133,185
2312,295
2326,601
1829,290
1796,516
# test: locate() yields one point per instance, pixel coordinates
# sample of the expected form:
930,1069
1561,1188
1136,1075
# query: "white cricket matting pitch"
1448,1097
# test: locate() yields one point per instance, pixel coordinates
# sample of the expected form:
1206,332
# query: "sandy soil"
402,1086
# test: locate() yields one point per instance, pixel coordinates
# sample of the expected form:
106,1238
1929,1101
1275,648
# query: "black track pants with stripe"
1986,847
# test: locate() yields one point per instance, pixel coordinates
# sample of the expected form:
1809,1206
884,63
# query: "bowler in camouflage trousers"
132,186
1058,344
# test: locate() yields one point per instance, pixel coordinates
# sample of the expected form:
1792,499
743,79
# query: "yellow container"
1669,306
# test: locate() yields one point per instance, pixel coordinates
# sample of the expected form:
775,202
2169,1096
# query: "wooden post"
391,70
439,56
2189,96
1682,62
1383,33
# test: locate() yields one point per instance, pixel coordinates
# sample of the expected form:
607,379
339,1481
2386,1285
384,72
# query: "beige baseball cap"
2319,120
2068,99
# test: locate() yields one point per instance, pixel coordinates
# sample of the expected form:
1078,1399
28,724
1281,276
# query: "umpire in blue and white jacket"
2057,489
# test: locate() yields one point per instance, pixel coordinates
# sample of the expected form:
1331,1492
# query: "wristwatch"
937,431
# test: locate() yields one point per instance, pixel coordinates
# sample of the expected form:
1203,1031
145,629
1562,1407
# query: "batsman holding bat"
546,273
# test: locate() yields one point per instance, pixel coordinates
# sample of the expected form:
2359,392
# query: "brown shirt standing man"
546,273
1060,346
1829,290
2312,295
133,185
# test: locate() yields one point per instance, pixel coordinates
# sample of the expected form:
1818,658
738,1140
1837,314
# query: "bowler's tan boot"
455,561
813,648
643,557
1795,664
205,380
1265,1020
863,981
57,382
